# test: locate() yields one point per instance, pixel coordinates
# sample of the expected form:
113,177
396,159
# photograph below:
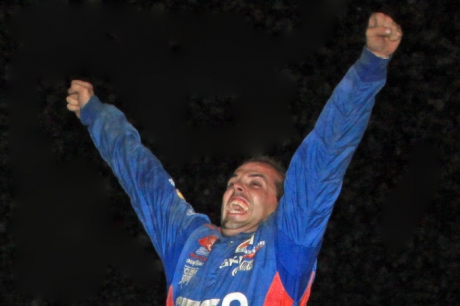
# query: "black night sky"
207,84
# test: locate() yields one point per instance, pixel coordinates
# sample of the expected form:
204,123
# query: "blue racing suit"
276,264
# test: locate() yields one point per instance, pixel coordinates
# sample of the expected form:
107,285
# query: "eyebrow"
259,175
251,175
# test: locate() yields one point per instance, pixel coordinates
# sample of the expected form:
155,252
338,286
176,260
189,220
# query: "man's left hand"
383,35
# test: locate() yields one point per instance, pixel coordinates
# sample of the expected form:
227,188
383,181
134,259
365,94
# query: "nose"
237,186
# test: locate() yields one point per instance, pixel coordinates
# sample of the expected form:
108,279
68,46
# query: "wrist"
371,68
379,54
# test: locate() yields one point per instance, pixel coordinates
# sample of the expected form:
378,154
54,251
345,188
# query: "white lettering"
233,261
228,299
235,296
224,264
181,301
194,262
211,302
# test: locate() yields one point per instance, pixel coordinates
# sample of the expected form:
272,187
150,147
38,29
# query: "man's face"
249,199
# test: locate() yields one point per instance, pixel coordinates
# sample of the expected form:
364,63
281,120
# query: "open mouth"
238,207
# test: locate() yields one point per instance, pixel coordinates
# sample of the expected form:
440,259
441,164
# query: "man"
265,251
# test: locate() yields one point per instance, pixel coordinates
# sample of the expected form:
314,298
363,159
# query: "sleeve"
166,217
314,177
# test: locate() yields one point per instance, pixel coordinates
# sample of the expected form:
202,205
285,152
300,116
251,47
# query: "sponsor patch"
244,261
251,252
202,251
202,258
189,272
193,262
208,241
245,265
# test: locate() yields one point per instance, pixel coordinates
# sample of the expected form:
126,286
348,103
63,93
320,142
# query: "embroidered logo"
202,251
194,262
245,261
197,258
189,272
207,242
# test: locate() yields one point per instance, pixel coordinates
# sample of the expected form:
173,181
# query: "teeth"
239,204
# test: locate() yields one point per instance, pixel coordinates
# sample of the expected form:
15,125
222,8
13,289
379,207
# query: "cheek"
273,203
225,197
273,207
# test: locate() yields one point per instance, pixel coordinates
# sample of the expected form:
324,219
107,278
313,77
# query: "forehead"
256,168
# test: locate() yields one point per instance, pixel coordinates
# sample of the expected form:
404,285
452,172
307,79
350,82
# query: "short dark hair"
275,165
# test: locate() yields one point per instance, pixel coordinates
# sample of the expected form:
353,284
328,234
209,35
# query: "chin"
229,225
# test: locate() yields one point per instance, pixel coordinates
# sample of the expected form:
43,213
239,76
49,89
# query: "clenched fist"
383,35
79,94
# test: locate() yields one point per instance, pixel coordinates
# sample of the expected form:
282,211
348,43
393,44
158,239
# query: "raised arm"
166,217
315,175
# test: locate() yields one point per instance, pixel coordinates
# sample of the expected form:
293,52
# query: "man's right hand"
79,94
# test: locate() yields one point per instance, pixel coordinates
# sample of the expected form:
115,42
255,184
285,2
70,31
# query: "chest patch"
196,259
244,256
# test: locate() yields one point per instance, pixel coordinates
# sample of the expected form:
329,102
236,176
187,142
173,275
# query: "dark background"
208,83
